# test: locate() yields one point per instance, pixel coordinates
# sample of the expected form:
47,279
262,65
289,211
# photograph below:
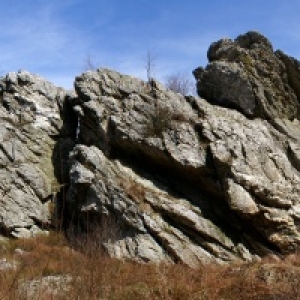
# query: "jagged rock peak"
249,40
247,75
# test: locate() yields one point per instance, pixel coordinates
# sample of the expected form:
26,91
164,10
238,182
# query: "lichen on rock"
265,88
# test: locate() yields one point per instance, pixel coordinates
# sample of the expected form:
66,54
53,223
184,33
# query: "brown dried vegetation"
99,277
161,121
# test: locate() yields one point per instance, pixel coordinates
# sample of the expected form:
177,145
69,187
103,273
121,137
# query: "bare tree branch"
150,64
180,83
89,64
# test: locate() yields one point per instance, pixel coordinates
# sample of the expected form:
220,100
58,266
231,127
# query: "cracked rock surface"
157,176
30,117
196,181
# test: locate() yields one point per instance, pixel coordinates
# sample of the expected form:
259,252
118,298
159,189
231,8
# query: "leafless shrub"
89,64
150,59
180,83
161,120
91,241
158,122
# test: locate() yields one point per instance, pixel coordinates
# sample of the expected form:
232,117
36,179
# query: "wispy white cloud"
39,41
54,38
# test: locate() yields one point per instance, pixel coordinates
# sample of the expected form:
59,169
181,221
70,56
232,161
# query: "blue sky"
54,38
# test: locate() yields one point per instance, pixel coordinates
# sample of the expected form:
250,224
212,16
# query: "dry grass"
133,189
161,119
99,277
159,122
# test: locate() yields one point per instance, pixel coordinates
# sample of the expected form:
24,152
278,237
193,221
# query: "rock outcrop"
190,181
30,116
156,176
246,74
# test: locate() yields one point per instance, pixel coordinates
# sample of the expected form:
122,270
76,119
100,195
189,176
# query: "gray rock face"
228,85
30,117
156,176
188,181
247,75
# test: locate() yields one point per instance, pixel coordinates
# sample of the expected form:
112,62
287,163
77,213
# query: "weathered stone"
247,75
292,66
189,188
240,200
141,208
227,84
6,264
30,117
156,176
54,285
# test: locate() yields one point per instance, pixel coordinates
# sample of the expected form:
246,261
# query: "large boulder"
30,117
246,74
185,180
